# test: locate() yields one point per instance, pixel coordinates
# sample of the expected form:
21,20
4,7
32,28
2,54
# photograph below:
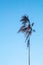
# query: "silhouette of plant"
27,29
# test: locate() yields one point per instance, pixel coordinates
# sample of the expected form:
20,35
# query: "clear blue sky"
13,50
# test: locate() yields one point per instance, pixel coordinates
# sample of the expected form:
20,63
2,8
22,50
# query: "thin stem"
29,52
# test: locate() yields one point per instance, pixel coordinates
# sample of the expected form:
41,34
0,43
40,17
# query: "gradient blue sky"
13,50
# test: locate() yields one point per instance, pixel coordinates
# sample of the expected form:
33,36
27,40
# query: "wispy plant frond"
25,19
28,43
32,23
26,27
27,36
33,30
22,29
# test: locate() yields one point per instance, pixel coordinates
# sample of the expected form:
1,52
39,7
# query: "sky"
13,49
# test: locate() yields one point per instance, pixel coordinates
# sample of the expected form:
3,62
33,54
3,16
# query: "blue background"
13,49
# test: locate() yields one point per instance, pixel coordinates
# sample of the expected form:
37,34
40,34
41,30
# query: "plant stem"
29,52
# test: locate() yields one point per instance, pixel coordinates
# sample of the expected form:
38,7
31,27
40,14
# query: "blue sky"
13,50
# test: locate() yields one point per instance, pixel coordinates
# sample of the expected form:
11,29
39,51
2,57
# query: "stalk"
29,52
